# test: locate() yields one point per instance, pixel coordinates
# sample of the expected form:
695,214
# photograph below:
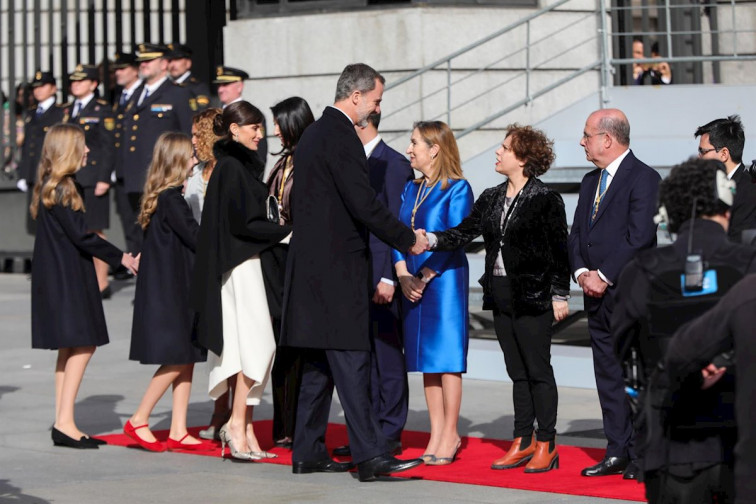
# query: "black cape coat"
327,289
66,304
161,332
234,228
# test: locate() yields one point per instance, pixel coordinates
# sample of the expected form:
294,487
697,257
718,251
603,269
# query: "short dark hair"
533,147
375,119
725,133
693,179
293,115
241,113
356,77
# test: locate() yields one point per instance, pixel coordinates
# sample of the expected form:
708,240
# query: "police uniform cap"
226,75
178,51
123,60
84,72
149,52
41,78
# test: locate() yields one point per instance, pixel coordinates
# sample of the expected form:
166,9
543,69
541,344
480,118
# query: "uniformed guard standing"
127,78
180,69
38,121
159,106
94,116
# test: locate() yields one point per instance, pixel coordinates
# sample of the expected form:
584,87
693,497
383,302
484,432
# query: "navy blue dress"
436,327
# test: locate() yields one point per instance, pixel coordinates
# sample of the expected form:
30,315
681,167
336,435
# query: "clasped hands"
130,262
592,284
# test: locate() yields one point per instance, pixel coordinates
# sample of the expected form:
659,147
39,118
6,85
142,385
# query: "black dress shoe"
607,467
395,447
343,451
384,465
60,439
632,471
327,465
97,441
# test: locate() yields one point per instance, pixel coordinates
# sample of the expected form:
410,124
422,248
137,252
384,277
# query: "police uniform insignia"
203,100
79,68
193,104
109,123
97,108
38,76
219,71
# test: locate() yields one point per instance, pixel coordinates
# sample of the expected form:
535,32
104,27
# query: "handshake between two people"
421,242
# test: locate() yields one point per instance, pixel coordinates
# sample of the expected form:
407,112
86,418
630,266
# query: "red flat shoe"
180,445
130,430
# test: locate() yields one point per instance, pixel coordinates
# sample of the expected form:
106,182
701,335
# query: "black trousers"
715,484
128,206
349,371
526,343
285,378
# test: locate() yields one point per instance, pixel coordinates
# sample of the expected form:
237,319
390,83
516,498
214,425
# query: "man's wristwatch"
419,276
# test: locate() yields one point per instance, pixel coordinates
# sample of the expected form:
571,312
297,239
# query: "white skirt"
248,342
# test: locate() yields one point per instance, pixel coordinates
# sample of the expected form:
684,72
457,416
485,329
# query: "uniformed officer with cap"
230,83
38,121
126,69
94,116
180,69
158,106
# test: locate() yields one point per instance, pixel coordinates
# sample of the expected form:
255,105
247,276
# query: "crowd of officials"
356,274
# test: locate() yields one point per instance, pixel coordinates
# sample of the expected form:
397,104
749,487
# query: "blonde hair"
206,138
168,169
447,162
62,156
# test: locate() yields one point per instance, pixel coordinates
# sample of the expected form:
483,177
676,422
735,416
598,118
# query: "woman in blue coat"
435,284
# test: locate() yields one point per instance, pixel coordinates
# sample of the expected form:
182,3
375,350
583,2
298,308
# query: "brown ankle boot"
543,460
517,455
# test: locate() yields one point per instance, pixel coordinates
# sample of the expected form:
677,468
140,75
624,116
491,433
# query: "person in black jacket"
67,311
228,291
526,283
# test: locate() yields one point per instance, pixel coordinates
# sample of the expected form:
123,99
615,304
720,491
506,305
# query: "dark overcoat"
35,130
743,211
326,295
66,305
234,228
97,122
161,332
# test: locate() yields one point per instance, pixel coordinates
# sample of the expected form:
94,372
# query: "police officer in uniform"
180,69
38,121
685,441
158,106
94,116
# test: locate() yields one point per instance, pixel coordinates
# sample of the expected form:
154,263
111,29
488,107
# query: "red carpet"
471,467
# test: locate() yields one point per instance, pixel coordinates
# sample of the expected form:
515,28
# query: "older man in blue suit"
613,220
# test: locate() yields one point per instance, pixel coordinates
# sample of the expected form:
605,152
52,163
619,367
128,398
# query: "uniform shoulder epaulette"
102,102
64,105
180,84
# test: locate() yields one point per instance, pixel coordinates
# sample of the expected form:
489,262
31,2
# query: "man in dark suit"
389,172
723,139
613,220
38,121
326,293
180,69
158,106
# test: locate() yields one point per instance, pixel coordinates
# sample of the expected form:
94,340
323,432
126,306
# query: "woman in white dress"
228,292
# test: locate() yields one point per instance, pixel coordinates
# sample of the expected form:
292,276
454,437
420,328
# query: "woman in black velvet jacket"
526,283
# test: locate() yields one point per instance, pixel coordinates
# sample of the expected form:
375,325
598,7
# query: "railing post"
605,64
527,62
669,28
448,93
734,30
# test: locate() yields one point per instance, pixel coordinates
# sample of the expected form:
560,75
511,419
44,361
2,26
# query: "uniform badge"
193,104
109,123
203,100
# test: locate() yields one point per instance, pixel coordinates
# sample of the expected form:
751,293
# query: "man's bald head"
606,136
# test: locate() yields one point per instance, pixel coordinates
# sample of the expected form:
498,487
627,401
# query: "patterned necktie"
77,109
600,195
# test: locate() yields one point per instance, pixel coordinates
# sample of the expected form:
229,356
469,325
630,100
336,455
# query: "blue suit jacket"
624,223
389,172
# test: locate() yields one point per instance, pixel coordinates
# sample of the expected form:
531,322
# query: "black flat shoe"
384,465
60,439
607,467
327,466
97,441
631,471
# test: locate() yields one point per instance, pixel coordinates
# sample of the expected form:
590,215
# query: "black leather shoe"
60,439
607,467
395,447
342,451
384,465
327,466
632,471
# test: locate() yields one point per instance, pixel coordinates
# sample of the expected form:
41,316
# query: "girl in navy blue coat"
162,328
67,313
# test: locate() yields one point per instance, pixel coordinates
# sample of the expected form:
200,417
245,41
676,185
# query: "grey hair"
618,127
356,77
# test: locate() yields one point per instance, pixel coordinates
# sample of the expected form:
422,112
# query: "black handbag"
274,213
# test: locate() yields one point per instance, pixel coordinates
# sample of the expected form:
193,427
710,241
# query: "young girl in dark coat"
67,310
162,329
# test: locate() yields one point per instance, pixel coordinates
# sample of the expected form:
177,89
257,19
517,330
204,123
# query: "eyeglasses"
703,152
586,136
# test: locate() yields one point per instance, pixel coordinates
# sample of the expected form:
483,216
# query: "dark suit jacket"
743,211
200,93
326,296
534,245
167,109
389,172
34,135
96,119
119,113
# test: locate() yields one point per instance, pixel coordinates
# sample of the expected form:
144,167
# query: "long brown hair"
168,168
62,156
206,137
447,162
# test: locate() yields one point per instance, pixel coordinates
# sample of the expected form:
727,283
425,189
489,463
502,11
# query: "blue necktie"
123,99
144,96
39,112
77,109
602,189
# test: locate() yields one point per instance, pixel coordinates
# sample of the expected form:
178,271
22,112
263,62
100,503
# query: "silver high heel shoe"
226,440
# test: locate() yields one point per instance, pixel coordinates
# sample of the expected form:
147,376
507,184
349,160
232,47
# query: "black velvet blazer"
533,247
